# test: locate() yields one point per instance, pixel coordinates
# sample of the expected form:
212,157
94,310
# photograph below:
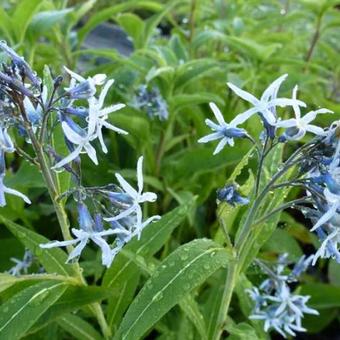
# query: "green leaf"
5,24
281,242
43,22
241,331
108,13
152,22
123,274
78,328
52,259
180,101
192,70
322,295
252,48
79,12
182,271
192,311
75,297
27,176
134,27
334,272
19,313
6,281
186,165
23,14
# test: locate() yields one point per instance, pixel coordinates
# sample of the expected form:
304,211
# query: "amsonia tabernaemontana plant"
56,123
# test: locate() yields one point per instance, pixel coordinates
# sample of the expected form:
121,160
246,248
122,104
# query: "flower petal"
242,117
217,113
73,155
272,89
74,75
210,137
327,216
71,135
220,146
91,152
126,186
17,193
140,174
244,94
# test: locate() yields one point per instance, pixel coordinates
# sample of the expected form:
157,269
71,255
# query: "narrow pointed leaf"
53,259
19,313
182,271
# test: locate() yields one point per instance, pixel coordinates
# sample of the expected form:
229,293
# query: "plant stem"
192,19
262,157
315,39
243,243
226,298
98,312
280,208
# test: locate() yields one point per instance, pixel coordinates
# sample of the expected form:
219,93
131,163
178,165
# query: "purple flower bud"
231,196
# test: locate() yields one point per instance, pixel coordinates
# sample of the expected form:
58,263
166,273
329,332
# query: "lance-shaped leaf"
53,259
182,271
19,313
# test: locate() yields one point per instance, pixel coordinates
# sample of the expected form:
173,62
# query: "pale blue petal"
210,137
126,186
273,88
220,146
244,94
326,217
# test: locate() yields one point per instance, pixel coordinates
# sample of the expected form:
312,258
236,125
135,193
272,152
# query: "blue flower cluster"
265,108
123,216
152,102
35,108
322,183
275,303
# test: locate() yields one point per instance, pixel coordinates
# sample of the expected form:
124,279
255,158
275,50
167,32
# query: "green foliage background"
189,50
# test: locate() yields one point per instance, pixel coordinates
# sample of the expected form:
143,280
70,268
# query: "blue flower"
81,88
21,266
298,126
224,131
230,195
133,197
96,108
83,235
80,138
276,305
265,106
3,188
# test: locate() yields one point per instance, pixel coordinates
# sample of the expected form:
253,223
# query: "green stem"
229,286
64,224
243,244
98,312
315,39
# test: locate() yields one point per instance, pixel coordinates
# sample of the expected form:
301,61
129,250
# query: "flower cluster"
265,107
318,161
123,214
152,102
35,108
11,84
322,182
275,304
